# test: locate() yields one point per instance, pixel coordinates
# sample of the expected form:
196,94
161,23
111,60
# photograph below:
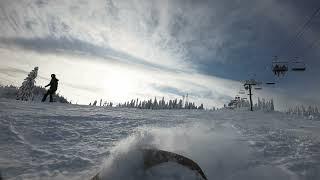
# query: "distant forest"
262,104
310,111
153,104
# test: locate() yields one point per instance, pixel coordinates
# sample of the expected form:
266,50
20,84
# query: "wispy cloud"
63,45
12,71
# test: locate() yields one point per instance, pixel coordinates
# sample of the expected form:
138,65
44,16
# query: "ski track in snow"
59,141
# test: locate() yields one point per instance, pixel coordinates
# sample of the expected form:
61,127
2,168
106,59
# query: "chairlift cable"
310,47
303,28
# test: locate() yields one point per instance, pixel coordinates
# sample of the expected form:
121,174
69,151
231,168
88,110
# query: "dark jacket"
53,84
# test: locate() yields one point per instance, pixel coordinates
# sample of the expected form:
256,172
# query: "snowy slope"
62,141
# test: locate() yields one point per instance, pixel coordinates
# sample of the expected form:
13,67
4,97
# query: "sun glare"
118,85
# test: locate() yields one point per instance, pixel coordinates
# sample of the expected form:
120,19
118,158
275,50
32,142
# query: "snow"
64,141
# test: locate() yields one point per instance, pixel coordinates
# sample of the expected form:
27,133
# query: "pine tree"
155,103
180,104
309,110
259,106
170,104
25,91
316,111
263,104
272,105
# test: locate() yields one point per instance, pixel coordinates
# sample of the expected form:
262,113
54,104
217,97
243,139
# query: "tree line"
153,104
262,104
301,110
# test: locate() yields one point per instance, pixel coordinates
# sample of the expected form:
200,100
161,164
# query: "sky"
124,49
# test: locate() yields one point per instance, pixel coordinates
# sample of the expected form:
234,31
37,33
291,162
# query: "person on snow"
53,88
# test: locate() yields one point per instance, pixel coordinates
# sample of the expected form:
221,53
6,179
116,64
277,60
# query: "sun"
120,84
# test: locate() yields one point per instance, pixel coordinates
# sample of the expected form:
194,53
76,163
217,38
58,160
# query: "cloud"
170,90
197,92
181,34
12,71
65,45
122,28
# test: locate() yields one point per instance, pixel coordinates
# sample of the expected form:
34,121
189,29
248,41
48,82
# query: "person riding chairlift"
280,70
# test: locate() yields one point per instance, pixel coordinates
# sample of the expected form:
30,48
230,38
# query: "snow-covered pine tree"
309,111
180,104
316,111
263,104
140,105
25,92
298,111
272,105
267,106
259,106
303,110
155,103
170,104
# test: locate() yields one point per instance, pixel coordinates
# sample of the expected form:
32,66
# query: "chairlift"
298,66
242,92
250,82
270,83
258,88
279,68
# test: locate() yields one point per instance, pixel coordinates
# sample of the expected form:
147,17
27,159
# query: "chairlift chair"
242,91
270,83
279,68
298,66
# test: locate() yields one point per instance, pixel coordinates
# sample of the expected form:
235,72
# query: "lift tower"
248,84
